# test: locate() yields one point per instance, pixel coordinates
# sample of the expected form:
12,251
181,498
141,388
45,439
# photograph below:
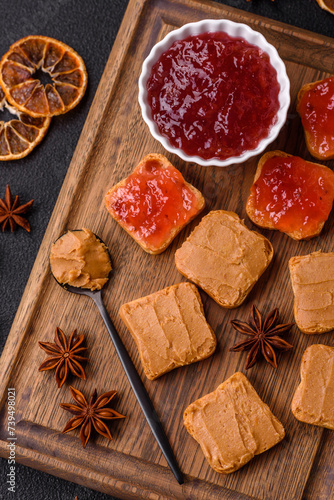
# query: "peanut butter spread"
79,259
224,257
169,328
313,401
312,279
232,424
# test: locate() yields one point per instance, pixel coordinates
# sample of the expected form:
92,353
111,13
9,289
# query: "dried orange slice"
65,68
327,5
18,137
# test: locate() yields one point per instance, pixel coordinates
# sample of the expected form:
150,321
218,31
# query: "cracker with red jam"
154,203
316,110
291,195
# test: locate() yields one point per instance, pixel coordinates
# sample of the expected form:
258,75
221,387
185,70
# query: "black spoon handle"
140,391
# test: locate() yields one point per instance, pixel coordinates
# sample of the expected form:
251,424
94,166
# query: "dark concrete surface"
90,27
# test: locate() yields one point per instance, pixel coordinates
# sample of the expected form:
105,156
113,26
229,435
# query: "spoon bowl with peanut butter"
80,263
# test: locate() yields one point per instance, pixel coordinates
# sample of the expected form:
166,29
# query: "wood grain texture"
112,143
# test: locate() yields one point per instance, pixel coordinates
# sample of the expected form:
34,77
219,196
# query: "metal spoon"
133,377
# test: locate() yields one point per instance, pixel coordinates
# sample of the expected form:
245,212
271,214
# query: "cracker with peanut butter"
232,424
169,329
224,257
312,278
313,401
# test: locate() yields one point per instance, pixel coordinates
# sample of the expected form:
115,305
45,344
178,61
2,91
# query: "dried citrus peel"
327,5
63,65
19,136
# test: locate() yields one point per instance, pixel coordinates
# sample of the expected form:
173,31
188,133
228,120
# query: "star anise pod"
264,337
65,356
88,414
11,212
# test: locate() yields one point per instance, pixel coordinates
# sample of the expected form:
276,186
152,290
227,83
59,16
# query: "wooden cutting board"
112,142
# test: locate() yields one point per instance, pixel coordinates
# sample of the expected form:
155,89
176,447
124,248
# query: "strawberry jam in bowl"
214,92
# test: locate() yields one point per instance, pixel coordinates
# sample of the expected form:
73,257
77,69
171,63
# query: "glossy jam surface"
316,109
213,96
152,202
293,195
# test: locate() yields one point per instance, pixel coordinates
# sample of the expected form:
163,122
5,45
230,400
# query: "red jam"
213,96
153,202
316,109
292,195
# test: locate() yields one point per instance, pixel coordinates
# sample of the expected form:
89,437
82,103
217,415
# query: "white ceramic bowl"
235,30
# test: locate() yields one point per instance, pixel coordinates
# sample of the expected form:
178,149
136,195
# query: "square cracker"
224,257
272,219
169,328
313,401
167,203
312,278
232,424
